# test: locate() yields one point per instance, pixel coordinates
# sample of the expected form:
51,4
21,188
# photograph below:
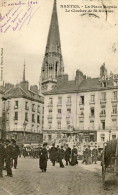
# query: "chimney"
34,88
8,86
79,77
103,70
62,79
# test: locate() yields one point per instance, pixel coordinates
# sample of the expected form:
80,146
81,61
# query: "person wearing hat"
67,154
43,158
53,154
16,153
2,156
61,154
8,157
94,155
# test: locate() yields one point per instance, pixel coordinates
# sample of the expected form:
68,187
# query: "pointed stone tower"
24,84
53,61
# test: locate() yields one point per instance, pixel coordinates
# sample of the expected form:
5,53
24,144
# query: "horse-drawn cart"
110,160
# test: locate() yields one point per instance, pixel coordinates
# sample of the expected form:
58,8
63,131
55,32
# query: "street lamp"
24,125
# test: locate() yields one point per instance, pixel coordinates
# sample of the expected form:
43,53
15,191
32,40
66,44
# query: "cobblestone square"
71,180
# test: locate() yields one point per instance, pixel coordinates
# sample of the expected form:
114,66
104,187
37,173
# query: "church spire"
53,41
24,72
53,62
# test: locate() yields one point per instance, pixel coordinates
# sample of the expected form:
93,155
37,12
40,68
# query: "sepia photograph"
58,97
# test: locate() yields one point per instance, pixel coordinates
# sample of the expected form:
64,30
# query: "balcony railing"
103,100
113,114
59,103
92,102
102,115
115,99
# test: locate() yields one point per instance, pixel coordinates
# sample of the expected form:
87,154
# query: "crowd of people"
90,156
57,154
9,152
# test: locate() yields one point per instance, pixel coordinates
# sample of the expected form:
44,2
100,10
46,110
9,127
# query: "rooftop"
19,92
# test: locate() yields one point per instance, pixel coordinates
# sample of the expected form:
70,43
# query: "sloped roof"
89,84
18,92
65,87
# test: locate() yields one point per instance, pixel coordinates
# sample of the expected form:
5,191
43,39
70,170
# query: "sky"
87,41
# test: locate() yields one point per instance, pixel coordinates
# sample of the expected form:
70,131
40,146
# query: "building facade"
22,113
83,110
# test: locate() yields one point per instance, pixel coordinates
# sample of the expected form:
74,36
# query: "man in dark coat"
67,154
57,153
16,153
43,158
94,155
8,157
61,156
2,156
74,156
53,154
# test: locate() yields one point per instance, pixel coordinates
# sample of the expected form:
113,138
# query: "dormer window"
104,84
16,105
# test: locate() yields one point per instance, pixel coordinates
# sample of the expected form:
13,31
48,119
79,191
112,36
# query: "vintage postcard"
58,97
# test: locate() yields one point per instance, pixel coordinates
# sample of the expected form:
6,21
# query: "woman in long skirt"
43,157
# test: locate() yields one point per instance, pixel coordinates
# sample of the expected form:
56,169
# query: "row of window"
16,106
81,124
58,124
82,98
92,111
26,117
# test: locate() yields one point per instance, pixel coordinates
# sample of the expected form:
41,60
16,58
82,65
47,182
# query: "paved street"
81,179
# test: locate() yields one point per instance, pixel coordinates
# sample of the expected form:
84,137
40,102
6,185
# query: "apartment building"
83,110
